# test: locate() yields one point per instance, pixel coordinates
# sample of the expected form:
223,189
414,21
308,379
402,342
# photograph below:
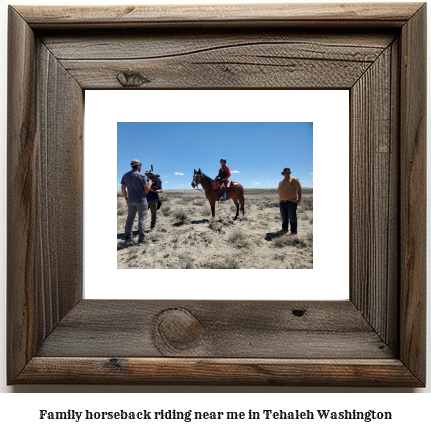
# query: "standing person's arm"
160,190
299,191
123,191
147,185
299,196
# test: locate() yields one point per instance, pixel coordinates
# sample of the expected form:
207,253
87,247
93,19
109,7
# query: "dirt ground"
187,237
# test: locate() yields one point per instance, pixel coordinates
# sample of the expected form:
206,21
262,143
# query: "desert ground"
187,237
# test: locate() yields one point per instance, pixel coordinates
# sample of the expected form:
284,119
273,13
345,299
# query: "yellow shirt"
287,189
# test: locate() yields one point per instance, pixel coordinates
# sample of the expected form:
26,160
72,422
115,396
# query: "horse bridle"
197,174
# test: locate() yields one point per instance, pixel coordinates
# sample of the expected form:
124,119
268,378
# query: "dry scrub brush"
291,240
180,215
239,239
187,237
223,263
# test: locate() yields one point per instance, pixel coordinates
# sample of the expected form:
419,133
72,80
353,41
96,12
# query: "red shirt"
225,169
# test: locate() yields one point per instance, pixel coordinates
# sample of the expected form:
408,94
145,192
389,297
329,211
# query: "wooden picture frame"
376,338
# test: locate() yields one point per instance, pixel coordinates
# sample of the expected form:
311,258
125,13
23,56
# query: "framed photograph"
254,130
376,337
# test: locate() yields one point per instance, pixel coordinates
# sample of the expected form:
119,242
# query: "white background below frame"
329,112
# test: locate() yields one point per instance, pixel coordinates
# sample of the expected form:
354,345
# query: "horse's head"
196,178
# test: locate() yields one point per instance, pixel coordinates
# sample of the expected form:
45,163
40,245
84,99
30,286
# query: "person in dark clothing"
153,197
222,177
135,186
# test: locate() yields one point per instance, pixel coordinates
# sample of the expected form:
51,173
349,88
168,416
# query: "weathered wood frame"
377,338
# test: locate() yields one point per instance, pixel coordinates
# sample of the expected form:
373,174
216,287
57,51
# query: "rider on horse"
223,175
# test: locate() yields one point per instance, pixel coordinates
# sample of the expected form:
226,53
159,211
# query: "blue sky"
256,153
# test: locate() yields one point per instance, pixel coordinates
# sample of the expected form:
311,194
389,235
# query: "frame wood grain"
376,338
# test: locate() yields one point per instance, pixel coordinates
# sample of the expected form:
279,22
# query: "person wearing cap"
289,190
135,186
153,196
223,175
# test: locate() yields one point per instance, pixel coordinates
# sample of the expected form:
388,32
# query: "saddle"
232,184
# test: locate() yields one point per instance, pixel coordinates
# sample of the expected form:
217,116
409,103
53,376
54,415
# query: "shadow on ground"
272,236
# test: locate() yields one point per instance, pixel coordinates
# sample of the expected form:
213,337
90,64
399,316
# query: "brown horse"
237,193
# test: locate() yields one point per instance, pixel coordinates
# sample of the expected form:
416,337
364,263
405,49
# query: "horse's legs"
237,206
212,198
212,204
241,201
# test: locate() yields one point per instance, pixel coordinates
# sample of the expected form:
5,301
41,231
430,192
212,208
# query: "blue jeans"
223,184
141,209
288,214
